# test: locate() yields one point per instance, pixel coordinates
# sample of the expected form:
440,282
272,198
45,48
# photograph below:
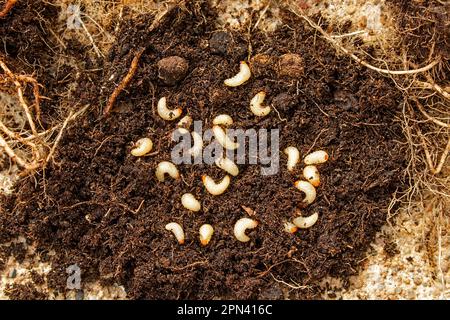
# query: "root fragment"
124,83
7,8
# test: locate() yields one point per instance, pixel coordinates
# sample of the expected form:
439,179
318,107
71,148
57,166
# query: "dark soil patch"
83,207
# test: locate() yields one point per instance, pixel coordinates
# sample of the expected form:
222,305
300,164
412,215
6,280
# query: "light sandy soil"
420,267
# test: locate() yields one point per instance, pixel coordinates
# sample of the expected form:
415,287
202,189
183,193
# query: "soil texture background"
99,207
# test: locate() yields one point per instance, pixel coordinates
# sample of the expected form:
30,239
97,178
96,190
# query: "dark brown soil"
84,207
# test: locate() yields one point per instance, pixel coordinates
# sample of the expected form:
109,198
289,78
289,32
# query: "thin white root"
308,189
312,175
227,165
223,139
142,147
293,157
165,113
241,226
316,157
177,230
359,60
256,105
306,222
223,120
166,167
241,77
206,231
189,202
216,188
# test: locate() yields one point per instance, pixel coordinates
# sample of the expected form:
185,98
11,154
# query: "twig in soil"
125,81
7,8
356,58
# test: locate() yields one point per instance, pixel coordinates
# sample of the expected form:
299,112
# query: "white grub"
223,139
316,157
227,165
306,222
223,120
293,157
165,113
216,188
185,122
166,167
312,175
308,189
177,230
142,147
206,231
189,202
290,227
241,77
256,105
241,226
197,148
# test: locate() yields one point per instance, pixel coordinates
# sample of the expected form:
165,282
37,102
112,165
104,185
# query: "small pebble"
220,42
172,69
290,65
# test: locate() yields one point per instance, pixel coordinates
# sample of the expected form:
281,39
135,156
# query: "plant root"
7,8
124,83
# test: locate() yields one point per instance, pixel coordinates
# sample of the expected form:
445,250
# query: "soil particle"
172,69
220,42
290,65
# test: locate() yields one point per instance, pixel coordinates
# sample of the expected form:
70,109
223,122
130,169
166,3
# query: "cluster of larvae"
307,186
143,147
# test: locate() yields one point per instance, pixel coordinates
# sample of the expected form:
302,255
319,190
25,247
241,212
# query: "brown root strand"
124,83
7,8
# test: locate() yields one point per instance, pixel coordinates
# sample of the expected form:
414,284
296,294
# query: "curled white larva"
227,165
306,222
197,148
185,122
312,175
189,202
241,77
290,227
241,226
256,105
142,147
216,188
308,189
223,120
223,139
316,157
206,231
166,167
177,230
165,113
293,157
